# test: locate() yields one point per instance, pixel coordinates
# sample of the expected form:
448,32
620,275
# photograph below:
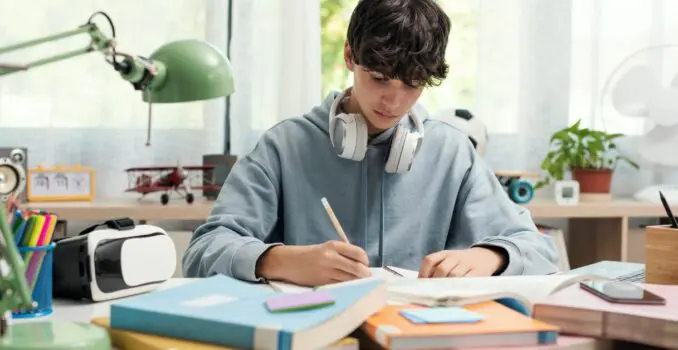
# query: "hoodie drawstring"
381,223
363,183
363,186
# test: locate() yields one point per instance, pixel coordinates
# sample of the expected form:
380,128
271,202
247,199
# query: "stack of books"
219,312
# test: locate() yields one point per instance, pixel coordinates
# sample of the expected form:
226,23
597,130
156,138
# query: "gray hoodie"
449,199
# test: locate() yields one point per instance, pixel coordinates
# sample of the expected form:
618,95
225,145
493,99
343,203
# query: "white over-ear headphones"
348,134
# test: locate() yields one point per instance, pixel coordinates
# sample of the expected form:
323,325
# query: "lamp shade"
190,70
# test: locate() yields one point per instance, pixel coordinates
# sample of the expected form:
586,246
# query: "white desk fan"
641,93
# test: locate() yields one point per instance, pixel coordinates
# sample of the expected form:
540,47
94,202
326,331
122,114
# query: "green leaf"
577,147
630,162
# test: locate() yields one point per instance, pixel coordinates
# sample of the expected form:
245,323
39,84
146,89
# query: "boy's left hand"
476,261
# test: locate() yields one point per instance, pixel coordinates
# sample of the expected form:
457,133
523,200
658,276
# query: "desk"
598,230
82,311
144,210
199,210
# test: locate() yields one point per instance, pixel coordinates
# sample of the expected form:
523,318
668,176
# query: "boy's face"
382,101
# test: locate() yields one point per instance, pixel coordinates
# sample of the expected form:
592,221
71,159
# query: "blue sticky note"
441,315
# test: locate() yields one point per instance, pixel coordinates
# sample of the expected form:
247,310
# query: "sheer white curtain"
604,34
522,90
275,51
542,65
79,111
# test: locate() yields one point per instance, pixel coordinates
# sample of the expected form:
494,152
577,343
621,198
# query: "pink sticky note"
300,301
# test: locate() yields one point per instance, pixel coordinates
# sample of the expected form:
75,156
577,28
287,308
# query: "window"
458,90
83,91
604,35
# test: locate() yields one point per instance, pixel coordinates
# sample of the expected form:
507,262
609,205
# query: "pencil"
393,271
335,222
667,208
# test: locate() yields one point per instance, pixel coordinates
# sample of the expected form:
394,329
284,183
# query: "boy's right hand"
314,265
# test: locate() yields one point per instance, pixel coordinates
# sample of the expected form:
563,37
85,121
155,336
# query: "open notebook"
517,292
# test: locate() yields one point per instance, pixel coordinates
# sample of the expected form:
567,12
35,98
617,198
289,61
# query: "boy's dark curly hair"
401,39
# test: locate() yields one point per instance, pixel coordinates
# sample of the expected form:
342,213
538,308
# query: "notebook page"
530,287
377,272
405,272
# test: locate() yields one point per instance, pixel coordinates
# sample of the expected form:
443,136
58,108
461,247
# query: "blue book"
225,311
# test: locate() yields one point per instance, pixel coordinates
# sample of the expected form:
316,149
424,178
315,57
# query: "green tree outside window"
461,53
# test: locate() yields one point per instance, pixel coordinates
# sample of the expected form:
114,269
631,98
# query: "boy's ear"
348,56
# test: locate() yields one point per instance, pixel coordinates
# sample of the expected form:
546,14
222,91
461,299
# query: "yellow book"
128,340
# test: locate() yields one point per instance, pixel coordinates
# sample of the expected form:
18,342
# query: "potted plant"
590,155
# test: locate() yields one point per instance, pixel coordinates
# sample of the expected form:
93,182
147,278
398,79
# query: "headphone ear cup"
361,139
404,147
395,152
349,133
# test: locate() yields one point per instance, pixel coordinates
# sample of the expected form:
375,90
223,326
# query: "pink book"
564,342
579,312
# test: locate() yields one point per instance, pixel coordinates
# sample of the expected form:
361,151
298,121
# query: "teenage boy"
408,191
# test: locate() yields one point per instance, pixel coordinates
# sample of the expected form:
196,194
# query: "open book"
517,292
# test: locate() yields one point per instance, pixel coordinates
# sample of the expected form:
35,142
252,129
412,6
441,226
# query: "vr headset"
111,260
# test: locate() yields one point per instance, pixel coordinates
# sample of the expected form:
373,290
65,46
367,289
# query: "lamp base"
55,335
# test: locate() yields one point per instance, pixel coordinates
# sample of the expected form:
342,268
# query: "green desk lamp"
180,71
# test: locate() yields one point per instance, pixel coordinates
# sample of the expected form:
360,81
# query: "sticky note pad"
441,315
300,301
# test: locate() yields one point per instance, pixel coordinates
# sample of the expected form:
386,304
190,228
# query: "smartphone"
621,292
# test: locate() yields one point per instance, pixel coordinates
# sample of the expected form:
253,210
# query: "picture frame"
61,183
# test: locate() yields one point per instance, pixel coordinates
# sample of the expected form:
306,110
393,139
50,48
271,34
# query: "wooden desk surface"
120,207
199,210
621,207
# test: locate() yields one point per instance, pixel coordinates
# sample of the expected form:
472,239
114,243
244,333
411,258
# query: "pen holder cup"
661,261
38,264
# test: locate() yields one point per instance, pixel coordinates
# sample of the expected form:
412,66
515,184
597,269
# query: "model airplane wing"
198,167
148,189
151,168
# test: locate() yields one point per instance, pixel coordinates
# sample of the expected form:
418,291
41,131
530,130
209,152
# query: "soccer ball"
468,123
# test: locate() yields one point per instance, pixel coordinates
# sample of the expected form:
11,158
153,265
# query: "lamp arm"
99,42
140,72
621,64
144,74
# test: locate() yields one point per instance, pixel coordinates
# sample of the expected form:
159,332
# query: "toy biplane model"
520,191
167,179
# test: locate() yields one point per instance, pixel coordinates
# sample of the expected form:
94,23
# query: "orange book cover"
128,340
500,326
